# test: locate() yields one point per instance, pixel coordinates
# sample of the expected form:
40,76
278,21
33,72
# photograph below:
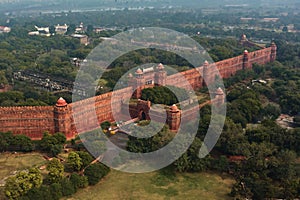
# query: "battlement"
34,120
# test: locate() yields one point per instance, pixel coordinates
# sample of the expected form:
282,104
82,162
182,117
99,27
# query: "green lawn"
156,186
9,163
117,185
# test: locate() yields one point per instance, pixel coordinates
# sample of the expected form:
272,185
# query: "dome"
246,52
160,66
139,71
61,102
174,108
206,63
244,37
219,91
130,75
273,43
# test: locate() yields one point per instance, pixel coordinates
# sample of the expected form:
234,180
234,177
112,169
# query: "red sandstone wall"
186,79
30,121
260,57
33,121
101,105
226,68
230,66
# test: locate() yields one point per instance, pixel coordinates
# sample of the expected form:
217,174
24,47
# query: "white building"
61,29
42,31
4,29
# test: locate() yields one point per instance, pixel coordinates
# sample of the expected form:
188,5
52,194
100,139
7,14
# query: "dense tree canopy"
168,95
21,183
55,170
52,144
95,173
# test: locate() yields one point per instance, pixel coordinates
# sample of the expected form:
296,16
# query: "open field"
156,186
9,163
117,185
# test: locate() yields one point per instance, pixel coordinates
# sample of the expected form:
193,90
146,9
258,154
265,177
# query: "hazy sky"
10,5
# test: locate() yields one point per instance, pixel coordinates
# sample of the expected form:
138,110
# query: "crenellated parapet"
28,120
34,120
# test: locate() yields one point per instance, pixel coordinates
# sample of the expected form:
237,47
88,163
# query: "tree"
79,181
105,125
232,140
19,185
221,164
90,29
23,143
12,189
55,171
190,161
55,149
5,140
52,29
71,29
60,137
165,95
52,143
285,29
95,172
145,145
74,162
86,158
3,79
67,187
40,193
56,191
221,52
271,111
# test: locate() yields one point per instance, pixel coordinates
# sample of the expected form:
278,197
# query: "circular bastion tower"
62,118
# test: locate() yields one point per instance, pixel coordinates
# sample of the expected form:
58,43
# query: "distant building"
246,19
98,29
288,28
247,43
80,28
4,29
42,31
270,19
84,39
61,29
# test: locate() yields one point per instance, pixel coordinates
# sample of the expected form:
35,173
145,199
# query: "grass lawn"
9,163
156,186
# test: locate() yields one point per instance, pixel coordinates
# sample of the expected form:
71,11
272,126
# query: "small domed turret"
130,75
244,37
246,52
174,108
139,71
160,66
206,63
61,102
219,91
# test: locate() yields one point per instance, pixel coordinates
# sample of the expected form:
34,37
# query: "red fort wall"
30,121
33,121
